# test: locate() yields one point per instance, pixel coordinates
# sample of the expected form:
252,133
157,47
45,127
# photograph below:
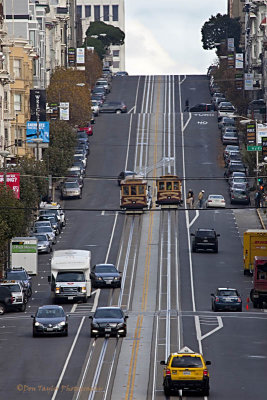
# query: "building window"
18,137
116,64
79,11
97,13
116,53
87,11
5,101
17,102
32,38
6,135
106,13
115,13
17,68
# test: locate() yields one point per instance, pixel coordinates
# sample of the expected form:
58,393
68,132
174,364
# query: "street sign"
254,148
251,134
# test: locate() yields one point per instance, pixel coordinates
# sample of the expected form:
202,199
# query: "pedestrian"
201,198
190,198
258,199
186,105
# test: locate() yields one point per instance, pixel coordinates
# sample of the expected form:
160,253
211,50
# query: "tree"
218,28
69,85
59,156
100,36
93,67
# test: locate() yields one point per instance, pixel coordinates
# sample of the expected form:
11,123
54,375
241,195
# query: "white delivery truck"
70,275
24,253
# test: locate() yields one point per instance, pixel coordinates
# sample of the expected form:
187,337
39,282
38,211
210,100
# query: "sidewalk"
262,214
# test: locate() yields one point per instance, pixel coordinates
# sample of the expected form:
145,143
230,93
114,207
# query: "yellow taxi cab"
186,370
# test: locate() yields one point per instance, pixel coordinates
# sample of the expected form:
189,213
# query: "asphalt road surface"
165,288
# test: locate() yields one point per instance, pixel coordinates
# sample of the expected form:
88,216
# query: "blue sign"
32,131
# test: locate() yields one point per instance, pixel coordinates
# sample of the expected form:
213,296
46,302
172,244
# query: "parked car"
95,107
226,299
205,239
123,175
88,129
239,196
202,107
215,200
80,165
228,148
238,177
113,107
234,167
225,121
101,82
97,97
71,189
238,186
108,321
225,109
21,275
228,129
217,100
233,156
44,244
45,230
217,94
80,157
54,209
54,221
76,174
121,73
50,319
105,275
230,138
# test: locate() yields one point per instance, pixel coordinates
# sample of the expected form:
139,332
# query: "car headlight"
83,289
117,278
38,324
62,323
57,289
99,278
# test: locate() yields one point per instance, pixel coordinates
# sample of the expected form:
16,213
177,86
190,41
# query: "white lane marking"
73,308
85,369
96,300
128,144
178,305
198,331
133,108
110,372
168,306
67,360
194,219
136,96
187,122
111,237
98,369
156,358
103,213
182,80
186,212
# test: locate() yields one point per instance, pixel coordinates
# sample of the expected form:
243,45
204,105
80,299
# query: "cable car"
135,194
169,191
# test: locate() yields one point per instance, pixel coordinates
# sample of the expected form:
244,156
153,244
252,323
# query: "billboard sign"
38,98
231,60
251,134
261,132
239,60
72,56
32,131
248,81
64,111
13,181
80,55
230,44
264,146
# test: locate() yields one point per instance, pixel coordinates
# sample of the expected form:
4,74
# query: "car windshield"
206,234
236,167
13,288
50,313
71,185
239,180
17,276
105,268
230,134
41,238
108,313
227,293
239,192
49,211
187,362
44,229
70,277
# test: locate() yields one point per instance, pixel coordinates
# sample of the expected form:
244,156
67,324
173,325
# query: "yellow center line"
139,323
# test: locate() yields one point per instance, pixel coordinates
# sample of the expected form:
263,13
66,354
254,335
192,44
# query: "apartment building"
109,11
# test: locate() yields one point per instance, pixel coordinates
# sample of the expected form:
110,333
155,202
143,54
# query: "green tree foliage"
100,36
218,28
65,86
59,156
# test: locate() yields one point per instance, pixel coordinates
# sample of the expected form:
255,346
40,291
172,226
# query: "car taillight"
168,372
216,299
13,299
205,372
239,300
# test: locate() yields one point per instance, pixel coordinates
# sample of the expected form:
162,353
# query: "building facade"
111,12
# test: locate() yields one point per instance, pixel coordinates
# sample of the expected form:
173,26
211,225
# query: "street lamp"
4,154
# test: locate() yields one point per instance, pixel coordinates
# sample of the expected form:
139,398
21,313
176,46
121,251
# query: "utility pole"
37,98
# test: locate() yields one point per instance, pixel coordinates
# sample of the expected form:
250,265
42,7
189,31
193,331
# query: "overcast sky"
164,36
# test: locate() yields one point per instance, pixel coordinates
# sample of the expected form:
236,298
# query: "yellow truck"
255,244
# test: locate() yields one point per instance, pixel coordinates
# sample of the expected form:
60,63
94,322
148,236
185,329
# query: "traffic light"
260,181
261,188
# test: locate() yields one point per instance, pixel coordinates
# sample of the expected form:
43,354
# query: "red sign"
13,181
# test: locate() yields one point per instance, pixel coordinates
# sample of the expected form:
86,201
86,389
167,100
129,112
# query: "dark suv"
205,239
